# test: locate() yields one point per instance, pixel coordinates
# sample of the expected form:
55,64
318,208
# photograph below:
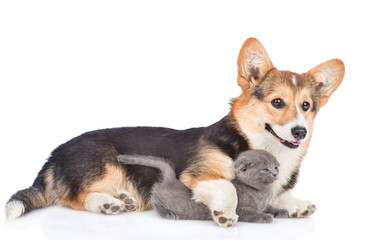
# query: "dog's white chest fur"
289,159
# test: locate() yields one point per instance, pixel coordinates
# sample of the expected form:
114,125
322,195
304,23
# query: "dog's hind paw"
103,203
129,201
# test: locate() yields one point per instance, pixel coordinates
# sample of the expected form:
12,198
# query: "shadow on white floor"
60,223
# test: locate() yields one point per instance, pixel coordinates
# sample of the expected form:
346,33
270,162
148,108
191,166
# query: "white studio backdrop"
67,67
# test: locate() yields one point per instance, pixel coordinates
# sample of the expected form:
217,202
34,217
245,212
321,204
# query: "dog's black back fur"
80,162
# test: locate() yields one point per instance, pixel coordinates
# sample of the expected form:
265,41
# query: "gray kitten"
256,170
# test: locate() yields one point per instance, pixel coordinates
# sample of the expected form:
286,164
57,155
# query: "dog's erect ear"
328,76
253,63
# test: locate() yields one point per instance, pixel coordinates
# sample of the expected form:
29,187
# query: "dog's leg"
295,207
209,179
111,194
220,197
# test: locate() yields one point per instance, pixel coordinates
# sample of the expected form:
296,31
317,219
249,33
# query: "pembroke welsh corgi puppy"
275,112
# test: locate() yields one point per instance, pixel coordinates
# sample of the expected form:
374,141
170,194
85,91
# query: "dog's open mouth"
288,144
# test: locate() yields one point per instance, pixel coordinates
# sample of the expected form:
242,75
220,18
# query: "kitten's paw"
225,219
166,213
264,218
301,209
281,213
103,203
129,201
172,216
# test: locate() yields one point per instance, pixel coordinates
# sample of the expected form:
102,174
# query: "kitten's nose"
299,133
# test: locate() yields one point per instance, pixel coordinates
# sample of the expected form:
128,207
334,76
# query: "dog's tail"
28,199
168,174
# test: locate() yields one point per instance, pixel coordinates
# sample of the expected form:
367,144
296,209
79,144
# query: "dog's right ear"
253,63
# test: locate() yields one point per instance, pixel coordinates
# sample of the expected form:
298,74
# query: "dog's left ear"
329,76
253,64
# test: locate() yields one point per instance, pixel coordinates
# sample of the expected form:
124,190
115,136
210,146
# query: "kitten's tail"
150,161
27,199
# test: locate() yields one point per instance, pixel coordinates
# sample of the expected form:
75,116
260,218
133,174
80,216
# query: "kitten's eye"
305,106
265,170
278,103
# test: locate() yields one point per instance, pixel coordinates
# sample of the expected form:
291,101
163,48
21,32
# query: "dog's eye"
305,106
278,103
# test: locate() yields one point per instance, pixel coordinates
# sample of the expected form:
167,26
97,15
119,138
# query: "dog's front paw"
225,219
297,208
301,209
221,199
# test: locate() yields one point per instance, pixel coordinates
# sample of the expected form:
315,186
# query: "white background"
68,67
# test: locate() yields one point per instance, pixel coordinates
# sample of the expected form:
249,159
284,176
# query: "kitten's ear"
244,166
253,63
328,76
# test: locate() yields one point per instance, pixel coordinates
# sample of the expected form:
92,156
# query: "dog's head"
277,108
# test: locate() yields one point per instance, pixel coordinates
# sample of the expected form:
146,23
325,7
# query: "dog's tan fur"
211,164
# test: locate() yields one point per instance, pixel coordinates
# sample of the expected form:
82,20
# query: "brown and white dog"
275,112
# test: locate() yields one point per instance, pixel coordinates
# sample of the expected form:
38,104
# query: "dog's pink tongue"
294,143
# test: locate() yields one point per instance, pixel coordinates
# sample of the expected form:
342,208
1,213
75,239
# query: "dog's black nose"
299,133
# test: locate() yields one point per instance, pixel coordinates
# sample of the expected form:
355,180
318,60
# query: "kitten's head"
256,168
